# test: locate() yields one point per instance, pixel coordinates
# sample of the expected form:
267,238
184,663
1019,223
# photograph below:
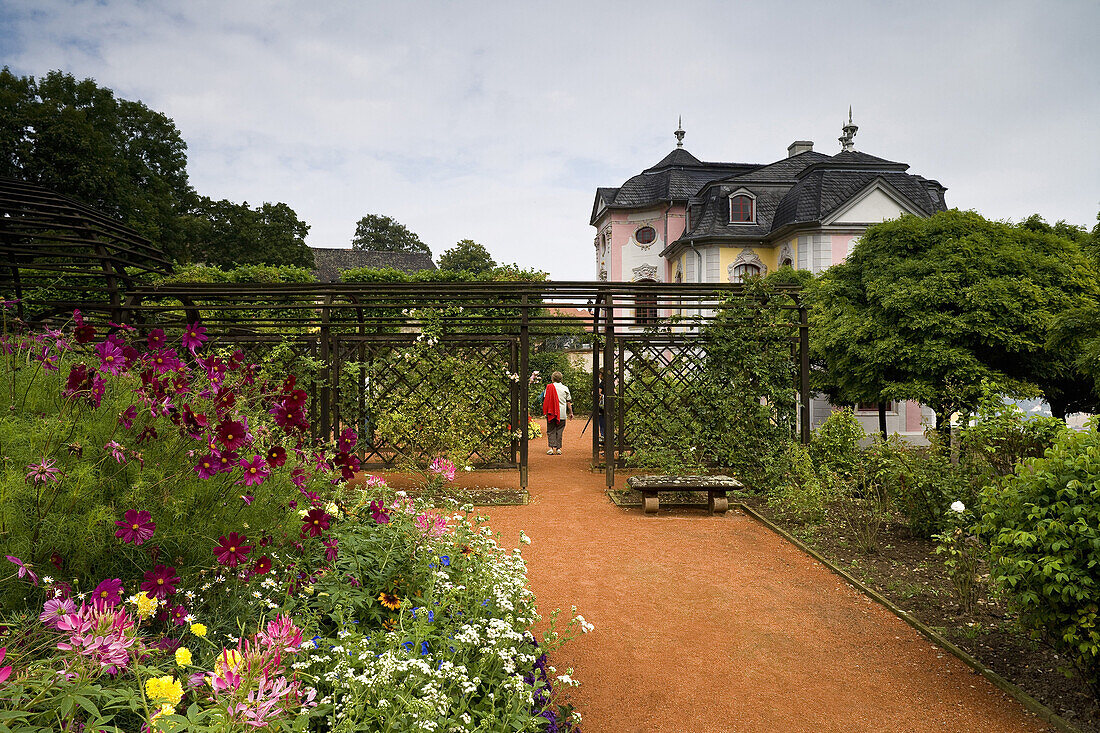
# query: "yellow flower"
198,629
165,709
183,656
165,688
146,605
390,601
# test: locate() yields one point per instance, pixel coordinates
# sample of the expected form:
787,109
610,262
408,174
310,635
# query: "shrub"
923,482
1002,435
1043,524
835,444
964,551
865,501
801,494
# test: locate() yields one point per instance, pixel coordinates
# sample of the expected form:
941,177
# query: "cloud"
496,121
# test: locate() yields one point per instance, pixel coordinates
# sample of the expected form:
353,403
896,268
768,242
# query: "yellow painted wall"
769,255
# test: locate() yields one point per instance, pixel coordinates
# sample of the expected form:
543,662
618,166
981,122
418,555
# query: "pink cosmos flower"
232,550
111,358
24,569
164,361
331,548
126,419
156,339
193,337
314,523
6,671
255,471
43,472
135,527
54,610
231,434
160,581
116,450
108,592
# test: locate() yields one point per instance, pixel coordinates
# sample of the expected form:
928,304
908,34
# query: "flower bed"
183,557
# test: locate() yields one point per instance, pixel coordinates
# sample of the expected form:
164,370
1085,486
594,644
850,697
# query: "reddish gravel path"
708,623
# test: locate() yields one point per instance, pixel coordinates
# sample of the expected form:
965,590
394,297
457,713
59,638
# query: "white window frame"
741,192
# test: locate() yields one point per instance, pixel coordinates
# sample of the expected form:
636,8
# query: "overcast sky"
496,121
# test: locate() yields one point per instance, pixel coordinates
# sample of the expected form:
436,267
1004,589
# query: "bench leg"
651,504
718,504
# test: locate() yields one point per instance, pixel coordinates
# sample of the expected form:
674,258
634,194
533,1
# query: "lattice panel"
455,378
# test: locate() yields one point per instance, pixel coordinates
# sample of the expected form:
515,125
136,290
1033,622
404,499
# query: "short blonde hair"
556,377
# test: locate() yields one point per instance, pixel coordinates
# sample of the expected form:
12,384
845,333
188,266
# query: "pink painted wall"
912,417
840,247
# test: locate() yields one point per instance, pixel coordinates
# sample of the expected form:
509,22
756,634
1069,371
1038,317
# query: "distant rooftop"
329,263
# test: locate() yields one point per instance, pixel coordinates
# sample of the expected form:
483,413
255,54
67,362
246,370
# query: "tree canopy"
115,155
130,162
467,256
225,233
383,234
930,309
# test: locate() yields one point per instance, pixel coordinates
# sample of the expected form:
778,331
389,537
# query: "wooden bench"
715,486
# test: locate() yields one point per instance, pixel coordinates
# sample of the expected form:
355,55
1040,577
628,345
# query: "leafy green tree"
467,256
115,155
382,234
225,233
928,309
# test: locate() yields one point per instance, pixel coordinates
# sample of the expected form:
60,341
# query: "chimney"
799,146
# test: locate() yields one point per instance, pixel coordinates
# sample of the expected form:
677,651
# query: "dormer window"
742,209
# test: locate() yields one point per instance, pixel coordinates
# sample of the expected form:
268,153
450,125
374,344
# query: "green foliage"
726,401
801,494
383,234
963,552
579,381
1043,525
467,256
1001,435
502,273
835,444
928,309
924,482
264,274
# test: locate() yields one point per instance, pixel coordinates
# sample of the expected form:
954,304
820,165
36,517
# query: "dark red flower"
84,333
160,581
149,433
56,560
178,615
232,550
156,339
225,401
261,566
330,548
276,456
314,523
227,460
126,419
208,466
109,592
231,434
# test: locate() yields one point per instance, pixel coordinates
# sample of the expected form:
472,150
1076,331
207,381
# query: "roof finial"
680,132
847,140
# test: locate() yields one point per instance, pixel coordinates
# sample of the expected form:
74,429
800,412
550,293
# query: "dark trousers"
554,431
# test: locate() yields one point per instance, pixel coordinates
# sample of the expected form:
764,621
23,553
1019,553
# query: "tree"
929,309
467,256
225,233
383,234
115,155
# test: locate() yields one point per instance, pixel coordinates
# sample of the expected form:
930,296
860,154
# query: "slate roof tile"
329,263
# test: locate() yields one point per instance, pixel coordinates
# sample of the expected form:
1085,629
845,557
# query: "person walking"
557,404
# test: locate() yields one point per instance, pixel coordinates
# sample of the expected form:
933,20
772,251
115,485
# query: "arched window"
742,209
740,272
645,307
787,262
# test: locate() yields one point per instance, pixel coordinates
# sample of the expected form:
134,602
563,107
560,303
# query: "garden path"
714,623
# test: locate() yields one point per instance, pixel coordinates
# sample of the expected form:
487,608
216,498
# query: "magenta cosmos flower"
135,527
231,434
314,523
160,581
193,336
208,466
24,569
56,609
111,358
233,549
108,592
255,471
126,418
43,472
163,361
156,339
276,456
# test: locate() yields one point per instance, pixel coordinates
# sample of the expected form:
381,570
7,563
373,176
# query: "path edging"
998,681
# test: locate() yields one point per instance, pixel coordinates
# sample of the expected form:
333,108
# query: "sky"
496,121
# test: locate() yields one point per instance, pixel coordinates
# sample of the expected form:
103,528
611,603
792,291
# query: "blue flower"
431,617
408,645
423,647
445,560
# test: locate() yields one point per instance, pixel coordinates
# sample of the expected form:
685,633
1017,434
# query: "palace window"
742,209
740,272
645,235
645,308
